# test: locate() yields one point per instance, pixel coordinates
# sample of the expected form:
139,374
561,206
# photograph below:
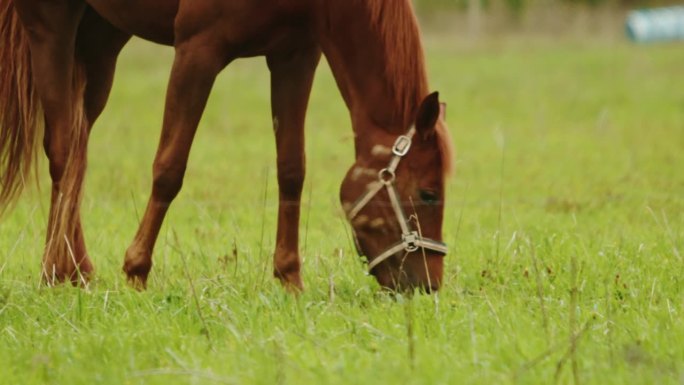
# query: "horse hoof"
137,270
81,275
292,282
78,276
137,276
137,282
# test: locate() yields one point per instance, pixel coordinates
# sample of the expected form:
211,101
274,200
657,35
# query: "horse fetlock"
288,271
137,266
76,270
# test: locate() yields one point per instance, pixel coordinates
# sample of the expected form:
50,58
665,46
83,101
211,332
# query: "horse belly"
149,19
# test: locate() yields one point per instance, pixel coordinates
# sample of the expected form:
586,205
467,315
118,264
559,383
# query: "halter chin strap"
411,240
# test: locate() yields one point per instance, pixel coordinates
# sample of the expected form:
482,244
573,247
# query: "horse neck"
382,103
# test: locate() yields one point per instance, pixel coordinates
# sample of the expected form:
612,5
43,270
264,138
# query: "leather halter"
411,240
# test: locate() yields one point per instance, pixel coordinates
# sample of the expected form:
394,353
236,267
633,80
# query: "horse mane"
396,22
446,149
405,72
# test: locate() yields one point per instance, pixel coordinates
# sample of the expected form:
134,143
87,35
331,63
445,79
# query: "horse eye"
429,197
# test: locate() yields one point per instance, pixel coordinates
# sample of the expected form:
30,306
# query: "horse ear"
442,111
428,113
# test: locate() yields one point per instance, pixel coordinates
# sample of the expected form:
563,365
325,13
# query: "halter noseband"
411,240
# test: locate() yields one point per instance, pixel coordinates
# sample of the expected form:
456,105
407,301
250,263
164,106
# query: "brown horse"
59,56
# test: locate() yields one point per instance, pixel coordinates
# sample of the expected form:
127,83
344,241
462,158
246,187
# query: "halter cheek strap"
411,240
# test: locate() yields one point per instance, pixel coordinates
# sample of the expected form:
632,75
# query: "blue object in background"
658,24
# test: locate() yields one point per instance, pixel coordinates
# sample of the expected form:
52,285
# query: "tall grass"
565,267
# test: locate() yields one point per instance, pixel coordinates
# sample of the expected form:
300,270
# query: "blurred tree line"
485,17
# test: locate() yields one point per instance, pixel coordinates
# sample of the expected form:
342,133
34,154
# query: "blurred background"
491,18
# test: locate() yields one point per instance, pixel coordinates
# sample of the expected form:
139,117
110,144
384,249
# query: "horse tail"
20,115
21,126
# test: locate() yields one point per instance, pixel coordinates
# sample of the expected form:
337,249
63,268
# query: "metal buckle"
410,241
401,145
386,176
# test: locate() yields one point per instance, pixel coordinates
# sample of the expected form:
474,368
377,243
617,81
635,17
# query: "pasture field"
565,219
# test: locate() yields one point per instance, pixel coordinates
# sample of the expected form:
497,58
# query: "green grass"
569,153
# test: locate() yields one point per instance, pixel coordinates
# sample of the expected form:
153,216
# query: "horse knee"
291,181
168,180
57,157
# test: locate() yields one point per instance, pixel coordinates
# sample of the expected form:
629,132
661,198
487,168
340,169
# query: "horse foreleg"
291,80
52,27
196,64
98,46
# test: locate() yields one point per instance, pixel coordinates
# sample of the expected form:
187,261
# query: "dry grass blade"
205,328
